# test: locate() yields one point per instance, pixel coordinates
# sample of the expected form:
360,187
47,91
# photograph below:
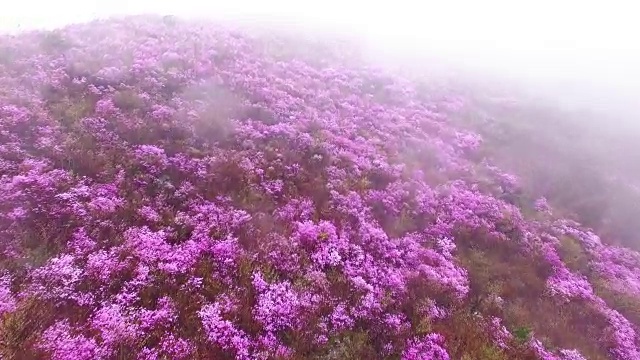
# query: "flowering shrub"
180,190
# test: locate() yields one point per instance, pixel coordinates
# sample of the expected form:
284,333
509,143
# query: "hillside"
186,190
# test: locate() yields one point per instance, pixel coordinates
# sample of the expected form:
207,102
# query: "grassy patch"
573,255
520,281
627,304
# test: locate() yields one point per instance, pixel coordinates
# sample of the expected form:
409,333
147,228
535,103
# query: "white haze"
580,53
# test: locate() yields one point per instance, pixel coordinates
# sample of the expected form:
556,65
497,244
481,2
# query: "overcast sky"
568,41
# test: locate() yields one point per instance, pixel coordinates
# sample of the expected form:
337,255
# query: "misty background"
581,54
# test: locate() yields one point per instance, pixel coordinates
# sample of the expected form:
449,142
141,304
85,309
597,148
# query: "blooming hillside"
176,190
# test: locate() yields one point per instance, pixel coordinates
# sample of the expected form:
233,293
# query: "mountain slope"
178,190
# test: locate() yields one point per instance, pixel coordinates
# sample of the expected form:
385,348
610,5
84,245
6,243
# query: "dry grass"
502,270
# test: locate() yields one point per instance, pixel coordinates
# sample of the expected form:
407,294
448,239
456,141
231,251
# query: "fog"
582,54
